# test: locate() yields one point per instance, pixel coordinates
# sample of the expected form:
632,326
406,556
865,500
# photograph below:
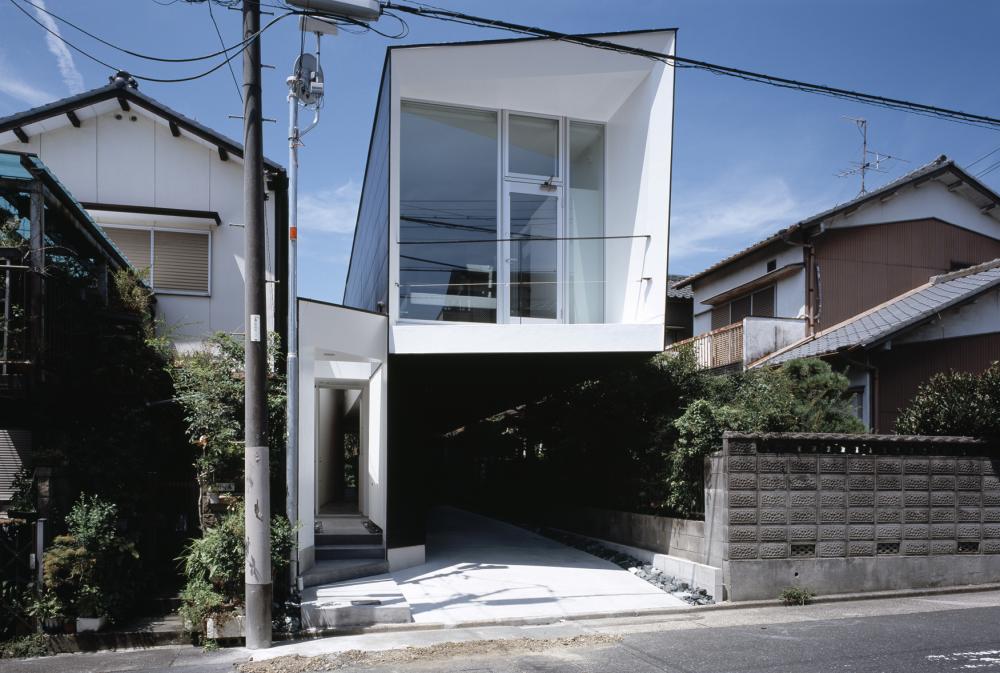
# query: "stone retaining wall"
843,513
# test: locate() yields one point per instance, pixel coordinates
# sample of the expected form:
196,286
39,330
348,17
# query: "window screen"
133,243
720,316
180,261
739,309
763,303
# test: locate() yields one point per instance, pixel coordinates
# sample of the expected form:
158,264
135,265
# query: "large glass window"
585,224
448,213
533,146
534,220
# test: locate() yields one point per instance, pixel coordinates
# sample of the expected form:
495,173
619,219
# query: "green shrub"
800,396
796,596
91,571
34,645
215,564
956,403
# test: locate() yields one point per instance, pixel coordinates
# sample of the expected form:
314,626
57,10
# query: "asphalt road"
914,635
953,640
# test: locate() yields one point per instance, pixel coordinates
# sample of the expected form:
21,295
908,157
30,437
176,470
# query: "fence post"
39,551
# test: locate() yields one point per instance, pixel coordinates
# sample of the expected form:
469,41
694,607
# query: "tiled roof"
674,292
930,170
894,316
120,89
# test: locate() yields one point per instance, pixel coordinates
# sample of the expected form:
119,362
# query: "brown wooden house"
842,262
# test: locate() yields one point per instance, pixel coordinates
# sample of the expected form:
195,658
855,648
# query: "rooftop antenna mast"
870,160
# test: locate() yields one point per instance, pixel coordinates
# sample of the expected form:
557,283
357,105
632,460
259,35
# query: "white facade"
133,158
789,292
359,365
633,98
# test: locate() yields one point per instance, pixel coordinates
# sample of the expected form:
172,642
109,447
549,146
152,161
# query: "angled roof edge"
532,38
902,325
929,171
41,172
121,90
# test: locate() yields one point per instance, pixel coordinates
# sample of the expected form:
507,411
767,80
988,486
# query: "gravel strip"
354,658
645,571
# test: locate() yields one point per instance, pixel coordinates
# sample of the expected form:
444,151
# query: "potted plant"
90,609
47,609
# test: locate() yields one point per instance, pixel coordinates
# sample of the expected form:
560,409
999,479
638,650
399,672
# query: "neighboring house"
55,266
841,262
680,307
950,323
169,192
511,239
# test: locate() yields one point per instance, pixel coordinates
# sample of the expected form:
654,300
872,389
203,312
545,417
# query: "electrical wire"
236,83
972,119
188,59
243,46
988,154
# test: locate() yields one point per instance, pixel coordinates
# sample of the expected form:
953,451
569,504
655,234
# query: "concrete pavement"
483,570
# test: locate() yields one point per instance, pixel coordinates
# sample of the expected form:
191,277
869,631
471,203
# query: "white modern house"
512,236
169,192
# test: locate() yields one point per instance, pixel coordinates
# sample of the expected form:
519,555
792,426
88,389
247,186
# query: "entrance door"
532,249
532,252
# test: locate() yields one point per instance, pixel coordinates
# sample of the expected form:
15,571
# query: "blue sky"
748,159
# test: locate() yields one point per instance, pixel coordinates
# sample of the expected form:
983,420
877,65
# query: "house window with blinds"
176,261
757,304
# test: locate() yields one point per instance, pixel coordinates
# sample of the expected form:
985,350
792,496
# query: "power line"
242,47
236,83
912,107
988,154
161,59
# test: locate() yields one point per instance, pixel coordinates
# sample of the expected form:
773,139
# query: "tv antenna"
870,160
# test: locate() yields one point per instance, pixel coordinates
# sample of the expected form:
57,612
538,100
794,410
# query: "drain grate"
887,548
803,550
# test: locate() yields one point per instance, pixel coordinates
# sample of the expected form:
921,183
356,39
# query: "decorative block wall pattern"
792,496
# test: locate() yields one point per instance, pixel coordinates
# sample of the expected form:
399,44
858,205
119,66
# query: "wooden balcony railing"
721,347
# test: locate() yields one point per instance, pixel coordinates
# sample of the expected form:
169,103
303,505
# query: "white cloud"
26,92
331,211
721,220
67,66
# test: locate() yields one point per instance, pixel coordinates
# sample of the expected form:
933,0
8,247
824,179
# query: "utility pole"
257,572
305,88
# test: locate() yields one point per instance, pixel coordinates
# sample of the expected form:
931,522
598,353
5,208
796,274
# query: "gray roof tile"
896,314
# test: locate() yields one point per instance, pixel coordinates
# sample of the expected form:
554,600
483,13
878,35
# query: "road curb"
681,612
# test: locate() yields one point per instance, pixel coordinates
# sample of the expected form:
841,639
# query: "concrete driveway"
482,570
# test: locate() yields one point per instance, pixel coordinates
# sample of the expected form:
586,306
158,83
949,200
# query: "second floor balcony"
736,346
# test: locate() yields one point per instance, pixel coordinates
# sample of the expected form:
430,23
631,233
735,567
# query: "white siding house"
168,191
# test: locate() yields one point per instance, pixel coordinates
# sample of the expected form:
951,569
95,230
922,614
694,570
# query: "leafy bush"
34,645
796,596
214,565
90,572
210,389
956,403
800,396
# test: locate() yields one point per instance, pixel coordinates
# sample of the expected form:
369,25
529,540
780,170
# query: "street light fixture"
361,10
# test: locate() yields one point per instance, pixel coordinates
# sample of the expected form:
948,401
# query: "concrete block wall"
782,509
683,538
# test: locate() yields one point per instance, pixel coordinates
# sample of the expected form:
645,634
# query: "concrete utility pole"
257,493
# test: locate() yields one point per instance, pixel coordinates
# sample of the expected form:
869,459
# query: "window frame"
561,183
152,255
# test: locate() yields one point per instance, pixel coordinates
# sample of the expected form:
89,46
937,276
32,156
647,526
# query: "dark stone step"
349,551
323,539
